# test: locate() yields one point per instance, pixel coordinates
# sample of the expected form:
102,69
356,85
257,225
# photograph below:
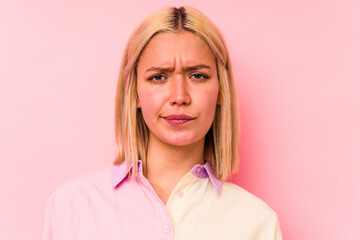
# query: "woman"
177,138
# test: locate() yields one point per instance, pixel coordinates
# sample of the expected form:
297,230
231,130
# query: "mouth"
177,120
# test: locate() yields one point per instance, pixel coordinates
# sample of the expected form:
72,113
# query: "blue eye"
157,77
199,76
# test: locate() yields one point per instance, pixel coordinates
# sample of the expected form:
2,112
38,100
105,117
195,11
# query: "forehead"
183,48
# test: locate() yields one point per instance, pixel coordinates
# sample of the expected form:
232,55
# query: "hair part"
131,132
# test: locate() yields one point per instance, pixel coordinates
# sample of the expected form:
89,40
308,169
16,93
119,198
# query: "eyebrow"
170,69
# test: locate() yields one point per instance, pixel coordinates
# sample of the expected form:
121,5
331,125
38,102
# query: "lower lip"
177,122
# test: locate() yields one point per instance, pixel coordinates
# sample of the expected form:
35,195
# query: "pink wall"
297,71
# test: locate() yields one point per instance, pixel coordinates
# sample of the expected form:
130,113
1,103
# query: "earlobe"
218,102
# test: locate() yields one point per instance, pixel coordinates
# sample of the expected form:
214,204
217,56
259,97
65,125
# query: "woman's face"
177,87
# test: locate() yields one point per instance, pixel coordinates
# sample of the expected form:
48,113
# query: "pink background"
296,65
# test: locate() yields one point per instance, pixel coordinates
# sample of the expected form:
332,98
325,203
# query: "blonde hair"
132,134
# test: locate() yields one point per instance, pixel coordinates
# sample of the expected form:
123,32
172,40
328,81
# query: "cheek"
149,102
207,102
210,107
210,98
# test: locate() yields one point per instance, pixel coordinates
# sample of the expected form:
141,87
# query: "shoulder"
233,192
76,202
249,215
246,204
82,188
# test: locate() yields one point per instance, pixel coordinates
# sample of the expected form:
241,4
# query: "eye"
157,78
199,76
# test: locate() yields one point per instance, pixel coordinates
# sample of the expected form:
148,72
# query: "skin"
176,74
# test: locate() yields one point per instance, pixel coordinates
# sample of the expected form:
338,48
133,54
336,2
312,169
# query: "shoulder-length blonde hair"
132,134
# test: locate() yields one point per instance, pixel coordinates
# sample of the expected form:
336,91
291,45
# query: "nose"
179,94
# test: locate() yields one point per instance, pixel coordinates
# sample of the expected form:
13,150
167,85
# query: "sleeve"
47,232
278,235
267,228
56,217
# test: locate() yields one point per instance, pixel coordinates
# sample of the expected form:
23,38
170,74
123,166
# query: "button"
180,193
166,229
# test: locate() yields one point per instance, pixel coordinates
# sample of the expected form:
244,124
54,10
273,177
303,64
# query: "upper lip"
178,117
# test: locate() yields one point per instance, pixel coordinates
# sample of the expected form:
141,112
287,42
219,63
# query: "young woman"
177,141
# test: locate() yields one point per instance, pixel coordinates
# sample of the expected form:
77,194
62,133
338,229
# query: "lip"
178,119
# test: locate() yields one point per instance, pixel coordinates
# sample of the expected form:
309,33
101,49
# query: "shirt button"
166,229
180,193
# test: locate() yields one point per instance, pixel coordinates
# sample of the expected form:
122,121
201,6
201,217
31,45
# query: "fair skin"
178,88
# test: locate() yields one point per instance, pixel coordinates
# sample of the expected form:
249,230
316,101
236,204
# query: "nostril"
180,100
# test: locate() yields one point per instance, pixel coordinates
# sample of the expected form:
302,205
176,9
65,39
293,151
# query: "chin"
181,141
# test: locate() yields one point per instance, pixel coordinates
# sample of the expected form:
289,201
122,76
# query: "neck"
162,157
167,164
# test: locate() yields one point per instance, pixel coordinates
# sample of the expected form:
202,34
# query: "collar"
119,172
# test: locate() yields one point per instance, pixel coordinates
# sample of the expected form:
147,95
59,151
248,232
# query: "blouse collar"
119,172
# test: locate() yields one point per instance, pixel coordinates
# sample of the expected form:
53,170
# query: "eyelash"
156,75
203,76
